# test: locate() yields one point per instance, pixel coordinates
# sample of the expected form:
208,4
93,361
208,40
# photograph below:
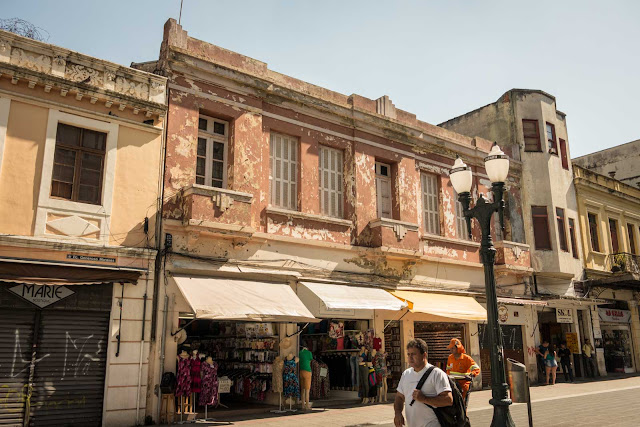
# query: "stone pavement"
610,402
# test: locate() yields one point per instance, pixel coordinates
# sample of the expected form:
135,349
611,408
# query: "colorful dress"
184,377
276,381
291,384
209,394
380,365
196,381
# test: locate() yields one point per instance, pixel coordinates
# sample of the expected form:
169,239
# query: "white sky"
437,59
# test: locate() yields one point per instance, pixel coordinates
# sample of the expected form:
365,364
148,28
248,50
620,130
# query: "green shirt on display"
305,359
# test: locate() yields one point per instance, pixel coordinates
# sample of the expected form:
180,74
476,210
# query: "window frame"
211,138
428,198
538,245
563,153
594,233
553,141
461,222
572,237
615,249
562,230
293,198
335,196
537,136
633,246
386,181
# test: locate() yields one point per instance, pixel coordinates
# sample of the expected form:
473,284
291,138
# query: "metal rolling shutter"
438,336
16,334
69,380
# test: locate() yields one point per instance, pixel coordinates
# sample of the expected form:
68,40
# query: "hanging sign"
41,295
614,315
503,313
564,315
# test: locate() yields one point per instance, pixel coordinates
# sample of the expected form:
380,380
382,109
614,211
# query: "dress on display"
209,394
184,377
196,381
380,365
291,384
371,381
276,382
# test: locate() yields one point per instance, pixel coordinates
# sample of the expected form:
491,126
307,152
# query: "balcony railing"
623,262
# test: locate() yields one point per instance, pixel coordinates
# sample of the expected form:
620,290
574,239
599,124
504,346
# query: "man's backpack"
449,416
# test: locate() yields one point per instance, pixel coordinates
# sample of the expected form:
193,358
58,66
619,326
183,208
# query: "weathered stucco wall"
623,161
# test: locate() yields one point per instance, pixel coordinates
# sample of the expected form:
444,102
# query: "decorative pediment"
73,226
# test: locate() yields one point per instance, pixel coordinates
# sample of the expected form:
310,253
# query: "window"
531,135
632,240
78,164
561,229
551,138
563,154
283,176
211,162
461,222
572,236
541,227
331,182
430,206
613,229
383,190
593,232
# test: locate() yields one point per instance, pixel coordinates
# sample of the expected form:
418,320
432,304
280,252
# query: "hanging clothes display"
371,382
291,384
363,385
276,381
196,380
209,393
320,382
184,377
380,365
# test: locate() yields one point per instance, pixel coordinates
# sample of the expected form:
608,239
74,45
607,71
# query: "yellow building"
80,165
609,213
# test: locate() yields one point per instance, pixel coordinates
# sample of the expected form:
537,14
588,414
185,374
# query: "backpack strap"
423,379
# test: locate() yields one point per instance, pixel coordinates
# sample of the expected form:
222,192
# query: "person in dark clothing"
540,350
565,361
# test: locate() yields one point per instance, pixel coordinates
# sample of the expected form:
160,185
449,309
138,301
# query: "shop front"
615,326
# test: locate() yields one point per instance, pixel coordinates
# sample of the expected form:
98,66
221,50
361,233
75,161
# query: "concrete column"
635,333
595,325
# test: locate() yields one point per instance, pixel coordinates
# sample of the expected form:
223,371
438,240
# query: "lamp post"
497,167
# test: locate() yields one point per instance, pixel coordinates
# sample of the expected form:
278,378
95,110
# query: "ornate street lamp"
497,167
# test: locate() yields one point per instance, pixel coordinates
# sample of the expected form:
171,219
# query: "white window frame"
290,146
461,222
383,181
331,164
212,138
430,203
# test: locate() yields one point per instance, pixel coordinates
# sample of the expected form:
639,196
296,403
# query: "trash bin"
518,381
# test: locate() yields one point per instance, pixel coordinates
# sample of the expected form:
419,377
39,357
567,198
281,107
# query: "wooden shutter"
331,182
541,227
531,133
561,229
563,154
430,204
613,229
593,232
632,240
284,171
572,235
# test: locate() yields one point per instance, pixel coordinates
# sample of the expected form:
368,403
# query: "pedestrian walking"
551,366
565,361
587,354
540,351
435,392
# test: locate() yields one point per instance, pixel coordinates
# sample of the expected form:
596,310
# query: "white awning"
521,301
354,297
231,299
451,306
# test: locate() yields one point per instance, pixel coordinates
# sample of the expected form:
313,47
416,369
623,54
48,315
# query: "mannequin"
305,357
380,365
209,387
276,380
196,380
371,381
291,384
184,379
363,373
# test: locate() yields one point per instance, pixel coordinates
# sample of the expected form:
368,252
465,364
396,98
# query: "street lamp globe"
496,164
461,176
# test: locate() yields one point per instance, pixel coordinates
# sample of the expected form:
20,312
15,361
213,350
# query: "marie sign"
41,295
614,315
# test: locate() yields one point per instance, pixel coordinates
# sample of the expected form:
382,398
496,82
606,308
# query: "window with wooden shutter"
563,154
551,138
211,153
613,230
78,164
593,232
572,236
383,190
540,221
430,203
561,229
632,240
531,133
283,176
331,182
461,223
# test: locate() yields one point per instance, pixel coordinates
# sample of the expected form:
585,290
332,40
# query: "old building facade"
80,164
528,124
619,162
609,216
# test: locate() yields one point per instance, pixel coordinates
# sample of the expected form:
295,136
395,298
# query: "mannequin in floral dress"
196,380
209,393
291,383
184,375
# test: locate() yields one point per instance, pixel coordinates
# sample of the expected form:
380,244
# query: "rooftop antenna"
180,17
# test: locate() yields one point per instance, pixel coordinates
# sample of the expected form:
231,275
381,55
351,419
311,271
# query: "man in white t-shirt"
435,392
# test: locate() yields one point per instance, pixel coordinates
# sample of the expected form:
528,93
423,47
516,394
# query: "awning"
354,297
231,299
450,306
519,301
45,274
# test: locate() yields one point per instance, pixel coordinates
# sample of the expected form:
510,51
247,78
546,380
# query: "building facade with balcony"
610,226
321,204
80,164
527,124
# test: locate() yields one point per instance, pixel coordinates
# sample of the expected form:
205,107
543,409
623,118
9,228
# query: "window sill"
503,243
388,222
203,190
308,216
450,240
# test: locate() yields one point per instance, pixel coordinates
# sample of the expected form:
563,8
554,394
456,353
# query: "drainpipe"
144,319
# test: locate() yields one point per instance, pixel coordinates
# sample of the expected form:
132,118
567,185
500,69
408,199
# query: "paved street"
600,403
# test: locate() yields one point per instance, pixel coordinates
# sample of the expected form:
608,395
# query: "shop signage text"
572,342
614,315
41,295
77,257
564,315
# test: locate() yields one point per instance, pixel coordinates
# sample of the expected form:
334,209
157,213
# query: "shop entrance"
618,348
513,348
393,347
438,336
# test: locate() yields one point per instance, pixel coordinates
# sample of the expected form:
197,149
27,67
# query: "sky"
436,59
